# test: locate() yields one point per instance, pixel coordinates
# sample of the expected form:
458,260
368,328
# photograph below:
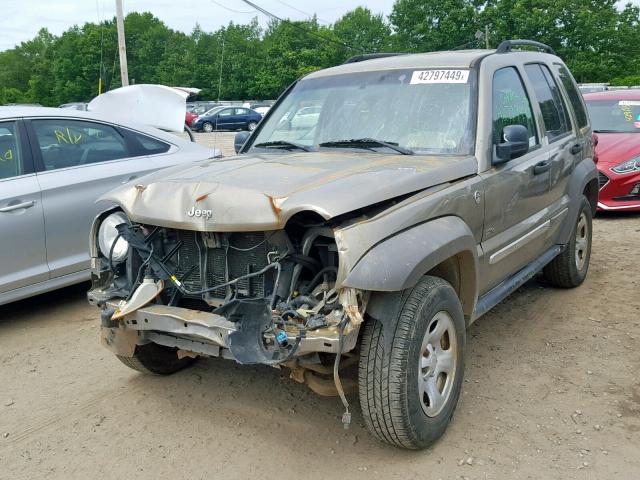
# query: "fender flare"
399,262
585,172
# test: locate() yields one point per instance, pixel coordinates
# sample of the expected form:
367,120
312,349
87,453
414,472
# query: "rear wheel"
156,359
207,127
569,269
408,394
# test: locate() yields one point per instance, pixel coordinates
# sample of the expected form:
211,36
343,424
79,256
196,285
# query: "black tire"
251,126
389,381
207,127
154,359
566,271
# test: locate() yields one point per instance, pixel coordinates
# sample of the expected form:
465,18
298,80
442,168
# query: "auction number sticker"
439,76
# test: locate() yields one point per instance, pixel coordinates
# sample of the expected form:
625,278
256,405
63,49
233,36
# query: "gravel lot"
552,391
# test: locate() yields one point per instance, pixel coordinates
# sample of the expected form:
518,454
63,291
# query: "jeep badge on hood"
198,213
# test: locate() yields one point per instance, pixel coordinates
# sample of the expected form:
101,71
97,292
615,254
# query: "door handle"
576,149
542,167
18,206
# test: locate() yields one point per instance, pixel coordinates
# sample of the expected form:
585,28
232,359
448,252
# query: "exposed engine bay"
255,297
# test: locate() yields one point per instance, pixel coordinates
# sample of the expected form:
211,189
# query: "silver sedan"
54,164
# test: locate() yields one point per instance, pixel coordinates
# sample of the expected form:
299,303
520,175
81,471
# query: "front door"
23,253
516,213
77,162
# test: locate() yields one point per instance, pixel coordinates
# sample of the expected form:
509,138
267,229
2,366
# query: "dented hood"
261,192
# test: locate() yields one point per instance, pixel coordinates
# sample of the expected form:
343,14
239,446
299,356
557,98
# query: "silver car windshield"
425,112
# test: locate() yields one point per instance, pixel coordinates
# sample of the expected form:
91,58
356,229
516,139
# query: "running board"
498,293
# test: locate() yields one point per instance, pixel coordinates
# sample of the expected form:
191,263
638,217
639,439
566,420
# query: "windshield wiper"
283,144
370,142
610,131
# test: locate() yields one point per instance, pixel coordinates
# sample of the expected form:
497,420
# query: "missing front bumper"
211,334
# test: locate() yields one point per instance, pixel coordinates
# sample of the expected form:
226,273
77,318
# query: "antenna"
215,134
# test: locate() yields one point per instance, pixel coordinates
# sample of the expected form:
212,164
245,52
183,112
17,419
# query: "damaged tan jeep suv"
379,209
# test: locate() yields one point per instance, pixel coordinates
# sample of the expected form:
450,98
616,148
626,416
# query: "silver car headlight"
109,241
629,166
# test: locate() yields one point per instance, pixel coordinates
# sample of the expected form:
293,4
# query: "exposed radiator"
223,263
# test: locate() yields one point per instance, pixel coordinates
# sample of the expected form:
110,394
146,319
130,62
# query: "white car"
54,164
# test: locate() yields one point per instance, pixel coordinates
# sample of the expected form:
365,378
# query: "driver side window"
511,105
70,143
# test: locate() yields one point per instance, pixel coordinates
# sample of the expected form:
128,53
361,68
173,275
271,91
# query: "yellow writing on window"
628,114
67,136
7,156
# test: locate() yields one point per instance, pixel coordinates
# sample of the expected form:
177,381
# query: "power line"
231,9
300,11
308,32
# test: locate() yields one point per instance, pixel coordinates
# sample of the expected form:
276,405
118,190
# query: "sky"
21,20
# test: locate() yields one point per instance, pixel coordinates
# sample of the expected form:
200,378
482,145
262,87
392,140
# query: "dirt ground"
552,391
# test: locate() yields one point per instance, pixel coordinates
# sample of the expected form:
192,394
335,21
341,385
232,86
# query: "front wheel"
154,359
569,269
251,126
207,127
408,392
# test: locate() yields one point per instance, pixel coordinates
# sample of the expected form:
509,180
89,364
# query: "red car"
189,117
615,118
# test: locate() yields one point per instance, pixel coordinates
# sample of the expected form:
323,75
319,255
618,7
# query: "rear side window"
554,111
511,105
575,97
11,164
149,145
71,143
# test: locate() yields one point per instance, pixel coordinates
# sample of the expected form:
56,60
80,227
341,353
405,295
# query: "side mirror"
595,144
240,140
514,143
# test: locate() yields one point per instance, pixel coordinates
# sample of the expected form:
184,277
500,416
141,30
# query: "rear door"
23,253
560,137
516,217
242,117
77,161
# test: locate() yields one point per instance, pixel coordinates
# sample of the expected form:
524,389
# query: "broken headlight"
111,244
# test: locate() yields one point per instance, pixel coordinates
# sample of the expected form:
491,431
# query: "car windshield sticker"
629,103
439,76
7,157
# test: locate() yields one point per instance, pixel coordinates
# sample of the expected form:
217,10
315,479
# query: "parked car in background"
227,118
593,87
261,108
82,106
615,116
306,117
195,110
54,164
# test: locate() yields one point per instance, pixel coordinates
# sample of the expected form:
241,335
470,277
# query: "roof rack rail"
370,56
507,46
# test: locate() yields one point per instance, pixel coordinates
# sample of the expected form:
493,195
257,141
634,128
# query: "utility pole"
122,47
486,36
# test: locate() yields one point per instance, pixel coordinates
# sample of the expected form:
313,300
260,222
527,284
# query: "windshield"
425,112
621,116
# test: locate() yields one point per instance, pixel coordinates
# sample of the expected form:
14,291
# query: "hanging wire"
298,27
301,11
231,9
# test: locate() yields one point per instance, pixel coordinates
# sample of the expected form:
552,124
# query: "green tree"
361,29
430,25
594,38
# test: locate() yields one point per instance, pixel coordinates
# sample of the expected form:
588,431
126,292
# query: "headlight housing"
629,166
109,242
